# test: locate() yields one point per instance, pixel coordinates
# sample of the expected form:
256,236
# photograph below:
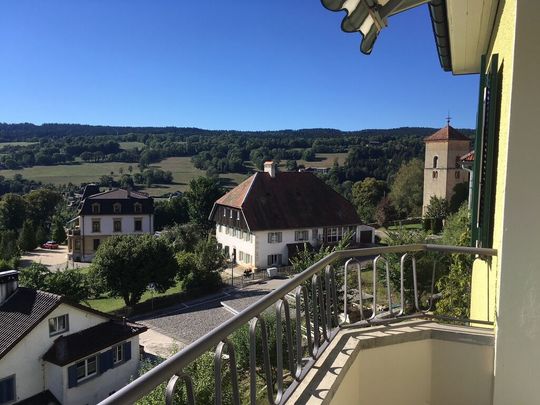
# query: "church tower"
442,169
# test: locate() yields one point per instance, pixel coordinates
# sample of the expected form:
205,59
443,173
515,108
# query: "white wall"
236,242
128,224
24,360
98,388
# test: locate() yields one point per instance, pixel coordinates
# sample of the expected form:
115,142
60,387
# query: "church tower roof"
447,133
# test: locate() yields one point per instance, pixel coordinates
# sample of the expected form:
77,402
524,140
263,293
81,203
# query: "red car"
51,244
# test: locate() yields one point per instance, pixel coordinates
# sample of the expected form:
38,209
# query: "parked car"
50,244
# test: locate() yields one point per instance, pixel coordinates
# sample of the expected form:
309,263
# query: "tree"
12,211
42,205
170,212
384,211
461,194
200,197
127,264
406,190
34,276
291,166
27,238
9,246
366,194
183,237
436,213
59,233
201,268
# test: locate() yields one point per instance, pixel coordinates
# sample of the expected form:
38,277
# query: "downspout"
471,183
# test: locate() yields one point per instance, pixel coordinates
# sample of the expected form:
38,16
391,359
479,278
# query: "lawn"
3,144
324,160
117,305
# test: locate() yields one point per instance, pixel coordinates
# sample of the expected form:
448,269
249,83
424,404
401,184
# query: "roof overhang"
462,31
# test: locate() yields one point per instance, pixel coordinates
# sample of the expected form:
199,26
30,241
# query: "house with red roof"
263,221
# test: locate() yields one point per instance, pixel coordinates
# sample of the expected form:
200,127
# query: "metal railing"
319,314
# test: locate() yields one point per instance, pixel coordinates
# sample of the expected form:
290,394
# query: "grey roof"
21,312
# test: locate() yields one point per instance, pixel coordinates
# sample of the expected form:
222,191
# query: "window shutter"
72,376
105,361
127,351
485,156
7,390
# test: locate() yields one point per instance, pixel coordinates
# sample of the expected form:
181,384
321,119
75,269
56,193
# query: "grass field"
3,144
131,145
181,167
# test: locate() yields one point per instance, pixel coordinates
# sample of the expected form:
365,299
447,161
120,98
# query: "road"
194,319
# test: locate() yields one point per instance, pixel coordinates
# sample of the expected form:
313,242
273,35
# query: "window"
117,208
227,230
241,256
248,237
224,212
435,161
58,325
138,225
118,354
314,234
220,227
274,237
137,208
274,260
435,174
7,389
117,225
301,235
96,225
86,368
238,215
457,174
95,208
77,244
248,258
231,213
96,244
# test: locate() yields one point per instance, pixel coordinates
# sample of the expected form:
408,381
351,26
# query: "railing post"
218,356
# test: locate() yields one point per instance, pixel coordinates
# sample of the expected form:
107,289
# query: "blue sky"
217,64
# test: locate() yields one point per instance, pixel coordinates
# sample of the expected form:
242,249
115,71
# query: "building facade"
101,215
265,220
442,164
54,352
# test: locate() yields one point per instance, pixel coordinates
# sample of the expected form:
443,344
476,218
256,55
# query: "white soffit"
469,25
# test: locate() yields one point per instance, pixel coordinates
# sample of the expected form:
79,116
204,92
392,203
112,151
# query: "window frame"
96,208
55,322
117,208
96,229
275,237
118,349
87,375
135,220
137,208
301,236
13,378
117,221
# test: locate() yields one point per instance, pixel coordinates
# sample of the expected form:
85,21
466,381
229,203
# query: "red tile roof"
290,200
469,157
447,133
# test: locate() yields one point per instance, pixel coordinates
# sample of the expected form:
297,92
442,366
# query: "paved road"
196,318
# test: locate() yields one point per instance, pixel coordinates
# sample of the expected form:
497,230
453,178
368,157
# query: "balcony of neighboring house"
374,325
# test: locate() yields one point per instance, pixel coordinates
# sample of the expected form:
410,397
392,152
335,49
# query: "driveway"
54,259
196,318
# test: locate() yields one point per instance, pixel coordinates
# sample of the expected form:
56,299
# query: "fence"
307,325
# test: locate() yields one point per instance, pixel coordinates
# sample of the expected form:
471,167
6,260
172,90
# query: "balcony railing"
320,311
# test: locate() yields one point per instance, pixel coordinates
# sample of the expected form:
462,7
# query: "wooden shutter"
72,376
127,351
105,361
485,158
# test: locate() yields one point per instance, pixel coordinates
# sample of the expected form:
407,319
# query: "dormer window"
231,213
137,207
238,215
96,208
117,208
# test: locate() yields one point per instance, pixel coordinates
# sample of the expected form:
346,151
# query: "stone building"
442,165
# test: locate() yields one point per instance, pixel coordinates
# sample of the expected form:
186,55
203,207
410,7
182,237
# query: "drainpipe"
471,180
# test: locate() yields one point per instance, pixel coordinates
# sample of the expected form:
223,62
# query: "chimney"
9,282
270,167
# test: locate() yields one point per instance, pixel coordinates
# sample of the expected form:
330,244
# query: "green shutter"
72,376
485,160
127,351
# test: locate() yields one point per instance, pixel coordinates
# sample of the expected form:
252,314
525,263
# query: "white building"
55,352
265,220
101,215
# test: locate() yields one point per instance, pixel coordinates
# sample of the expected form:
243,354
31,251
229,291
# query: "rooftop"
447,133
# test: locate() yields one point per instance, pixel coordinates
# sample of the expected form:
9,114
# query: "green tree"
59,233
438,208
127,264
461,195
12,211
41,235
366,194
384,211
200,197
183,237
35,276
291,165
42,204
27,238
201,269
407,187
71,283
9,246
